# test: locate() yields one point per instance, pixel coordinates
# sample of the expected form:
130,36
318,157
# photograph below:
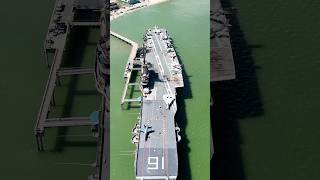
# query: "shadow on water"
136,89
133,92
73,58
182,121
234,100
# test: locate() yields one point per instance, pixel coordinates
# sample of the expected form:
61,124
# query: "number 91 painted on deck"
153,163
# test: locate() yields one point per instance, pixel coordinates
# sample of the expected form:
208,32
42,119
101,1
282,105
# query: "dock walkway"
61,22
129,67
66,15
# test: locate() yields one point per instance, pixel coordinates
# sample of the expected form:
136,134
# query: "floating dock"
156,133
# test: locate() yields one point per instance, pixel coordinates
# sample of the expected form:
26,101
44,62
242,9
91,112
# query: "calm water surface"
188,24
269,122
23,77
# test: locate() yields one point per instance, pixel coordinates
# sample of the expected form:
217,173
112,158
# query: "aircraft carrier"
156,132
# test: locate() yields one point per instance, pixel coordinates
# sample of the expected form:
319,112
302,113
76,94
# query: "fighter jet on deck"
168,100
146,130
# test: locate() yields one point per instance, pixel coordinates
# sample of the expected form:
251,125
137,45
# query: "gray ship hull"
156,132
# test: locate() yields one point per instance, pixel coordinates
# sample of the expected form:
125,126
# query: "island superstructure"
156,133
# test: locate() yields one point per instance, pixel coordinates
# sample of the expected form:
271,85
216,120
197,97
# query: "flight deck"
156,132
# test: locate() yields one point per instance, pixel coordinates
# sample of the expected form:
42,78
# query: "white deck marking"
166,83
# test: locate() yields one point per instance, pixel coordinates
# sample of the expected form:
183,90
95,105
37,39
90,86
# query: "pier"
130,67
66,16
60,26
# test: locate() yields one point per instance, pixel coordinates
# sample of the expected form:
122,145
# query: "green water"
188,23
273,121
23,75
276,140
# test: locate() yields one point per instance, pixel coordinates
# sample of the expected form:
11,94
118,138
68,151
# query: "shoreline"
132,8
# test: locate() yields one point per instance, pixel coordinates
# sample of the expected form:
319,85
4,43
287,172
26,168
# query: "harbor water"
270,130
187,24
267,121
69,152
